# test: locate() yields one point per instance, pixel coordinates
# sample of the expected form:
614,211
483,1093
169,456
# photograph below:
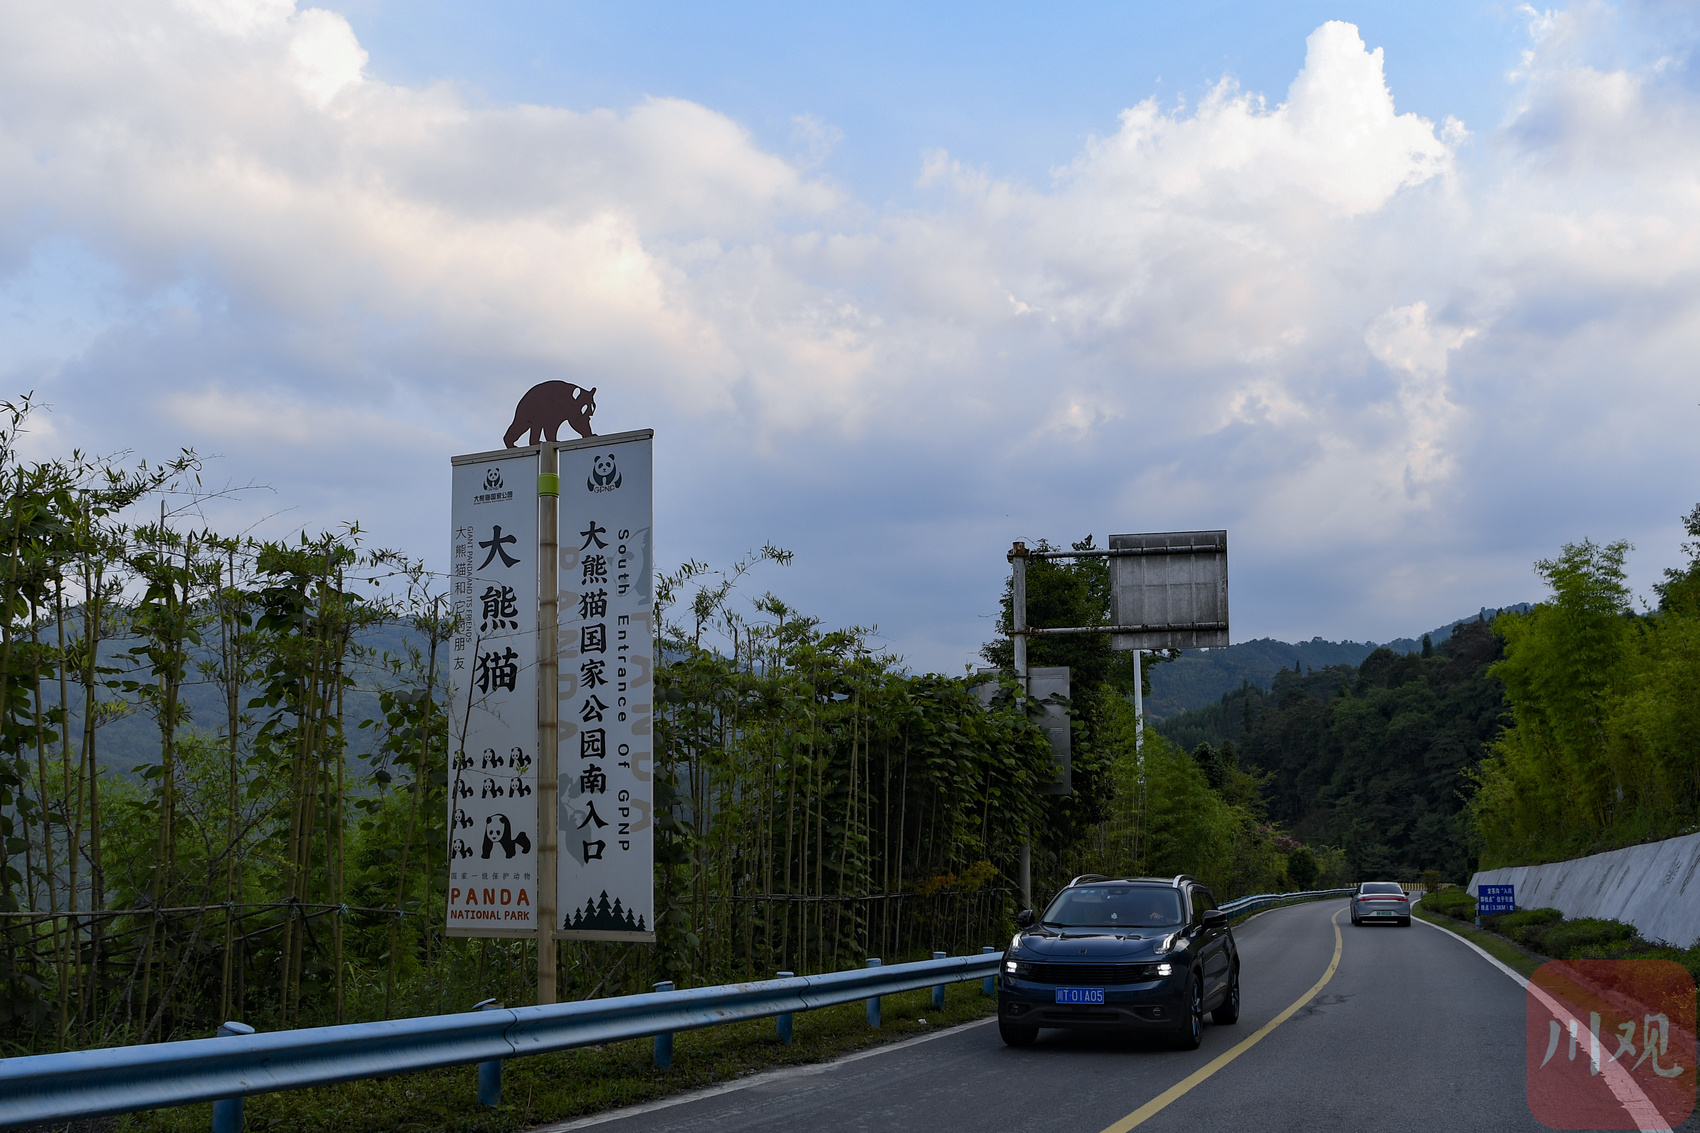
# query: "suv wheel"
1014,1034
1191,1032
1229,1011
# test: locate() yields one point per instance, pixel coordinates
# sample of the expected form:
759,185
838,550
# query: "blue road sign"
1492,899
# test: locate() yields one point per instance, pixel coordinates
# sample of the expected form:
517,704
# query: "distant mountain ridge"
1199,677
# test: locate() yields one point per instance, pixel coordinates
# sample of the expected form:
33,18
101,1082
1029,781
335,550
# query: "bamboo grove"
223,777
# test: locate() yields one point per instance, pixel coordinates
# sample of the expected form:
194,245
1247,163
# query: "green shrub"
1451,902
1562,940
1526,926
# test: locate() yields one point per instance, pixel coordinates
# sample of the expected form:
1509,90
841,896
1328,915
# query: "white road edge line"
1628,1092
760,1079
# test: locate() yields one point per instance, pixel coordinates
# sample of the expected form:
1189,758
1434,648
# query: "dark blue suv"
1139,954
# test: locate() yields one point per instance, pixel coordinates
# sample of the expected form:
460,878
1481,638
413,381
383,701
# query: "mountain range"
1199,677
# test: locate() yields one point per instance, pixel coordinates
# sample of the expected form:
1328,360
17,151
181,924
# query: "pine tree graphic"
602,916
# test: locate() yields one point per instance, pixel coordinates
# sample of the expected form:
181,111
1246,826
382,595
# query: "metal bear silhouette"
545,406
499,832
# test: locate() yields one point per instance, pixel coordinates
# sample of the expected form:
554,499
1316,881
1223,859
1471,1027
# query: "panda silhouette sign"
546,407
604,476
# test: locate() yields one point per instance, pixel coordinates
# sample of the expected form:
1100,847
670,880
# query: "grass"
1493,944
576,1083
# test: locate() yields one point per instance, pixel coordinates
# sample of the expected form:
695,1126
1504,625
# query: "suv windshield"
1114,906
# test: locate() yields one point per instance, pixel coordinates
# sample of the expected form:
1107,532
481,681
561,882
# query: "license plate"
1384,913
1080,995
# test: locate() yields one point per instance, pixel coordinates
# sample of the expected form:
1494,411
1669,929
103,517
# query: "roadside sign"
493,732
1493,899
606,689
1169,590
1047,684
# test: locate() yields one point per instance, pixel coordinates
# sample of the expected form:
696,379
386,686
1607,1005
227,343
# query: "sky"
1405,297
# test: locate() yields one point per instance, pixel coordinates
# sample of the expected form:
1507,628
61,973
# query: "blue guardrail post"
990,986
873,1000
783,1026
227,1114
664,1043
938,989
489,1073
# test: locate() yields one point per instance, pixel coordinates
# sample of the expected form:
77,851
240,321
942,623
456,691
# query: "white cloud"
1337,328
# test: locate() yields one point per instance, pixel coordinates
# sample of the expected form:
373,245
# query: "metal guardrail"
42,1088
1259,902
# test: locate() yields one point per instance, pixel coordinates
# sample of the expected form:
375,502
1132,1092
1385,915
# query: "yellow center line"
1174,1092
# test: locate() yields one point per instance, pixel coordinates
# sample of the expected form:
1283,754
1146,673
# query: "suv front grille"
1091,974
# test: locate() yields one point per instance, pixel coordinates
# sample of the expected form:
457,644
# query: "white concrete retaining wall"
1655,887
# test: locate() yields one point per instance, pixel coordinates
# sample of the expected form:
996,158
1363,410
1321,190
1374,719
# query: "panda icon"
604,477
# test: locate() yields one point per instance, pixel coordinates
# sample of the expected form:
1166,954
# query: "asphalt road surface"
1414,1030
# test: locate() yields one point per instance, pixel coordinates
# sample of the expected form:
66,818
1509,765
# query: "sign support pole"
548,718
1018,640
1138,701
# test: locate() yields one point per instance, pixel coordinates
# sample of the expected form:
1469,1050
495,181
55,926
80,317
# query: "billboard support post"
548,717
1018,641
1167,591
1138,701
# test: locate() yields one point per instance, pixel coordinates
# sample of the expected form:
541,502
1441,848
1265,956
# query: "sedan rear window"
1114,906
1380,887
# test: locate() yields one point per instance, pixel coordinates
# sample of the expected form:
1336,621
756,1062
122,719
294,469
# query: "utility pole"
1018,640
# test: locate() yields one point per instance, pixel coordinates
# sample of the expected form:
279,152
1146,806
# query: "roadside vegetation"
1561,730
222,779
1546,933
1602,747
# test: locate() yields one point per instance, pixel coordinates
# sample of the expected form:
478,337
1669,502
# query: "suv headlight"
1017,968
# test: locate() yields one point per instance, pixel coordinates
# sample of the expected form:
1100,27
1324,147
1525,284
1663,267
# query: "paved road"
1414,1031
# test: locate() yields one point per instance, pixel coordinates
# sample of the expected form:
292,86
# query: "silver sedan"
1385,902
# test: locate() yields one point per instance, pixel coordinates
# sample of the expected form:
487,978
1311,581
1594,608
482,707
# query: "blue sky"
1405,297
1013,87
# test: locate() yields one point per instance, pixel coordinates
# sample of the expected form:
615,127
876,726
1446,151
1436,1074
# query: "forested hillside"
1199,677
1372,758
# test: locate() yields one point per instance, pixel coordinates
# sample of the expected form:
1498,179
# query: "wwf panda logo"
493,480
604,477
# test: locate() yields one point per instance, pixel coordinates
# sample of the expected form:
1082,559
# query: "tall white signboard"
606,689
493,729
